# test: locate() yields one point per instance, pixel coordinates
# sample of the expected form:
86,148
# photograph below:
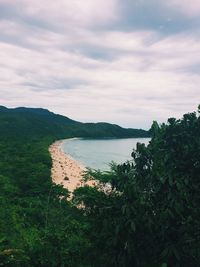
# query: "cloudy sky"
127,62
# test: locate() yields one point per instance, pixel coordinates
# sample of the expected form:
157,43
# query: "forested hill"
38,226
31,122
149,217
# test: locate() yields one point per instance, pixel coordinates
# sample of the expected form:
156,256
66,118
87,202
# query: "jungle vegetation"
143,213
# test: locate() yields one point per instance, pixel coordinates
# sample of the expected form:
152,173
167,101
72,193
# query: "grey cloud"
142,65
7,11
54,84
16,14
154,15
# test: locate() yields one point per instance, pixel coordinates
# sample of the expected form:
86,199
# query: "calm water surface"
98,153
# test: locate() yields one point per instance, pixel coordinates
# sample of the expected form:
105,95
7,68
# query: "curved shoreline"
65,170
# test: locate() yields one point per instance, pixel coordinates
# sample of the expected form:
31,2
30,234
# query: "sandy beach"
65,170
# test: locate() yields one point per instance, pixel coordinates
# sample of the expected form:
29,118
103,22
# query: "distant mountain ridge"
39,122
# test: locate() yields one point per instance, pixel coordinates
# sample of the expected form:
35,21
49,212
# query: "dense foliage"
143,213
30,122
38,226
147,212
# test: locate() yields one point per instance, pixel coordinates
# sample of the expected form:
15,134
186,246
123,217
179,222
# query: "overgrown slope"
149,217
30,122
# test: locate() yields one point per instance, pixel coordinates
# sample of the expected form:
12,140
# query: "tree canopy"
150,213
143,213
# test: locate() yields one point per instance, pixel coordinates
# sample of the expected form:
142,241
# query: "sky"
126,62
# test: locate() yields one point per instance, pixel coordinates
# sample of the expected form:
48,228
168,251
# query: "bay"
99,153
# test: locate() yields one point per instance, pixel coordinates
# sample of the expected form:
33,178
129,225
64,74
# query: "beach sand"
65,170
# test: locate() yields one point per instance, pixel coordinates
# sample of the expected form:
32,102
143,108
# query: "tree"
147,212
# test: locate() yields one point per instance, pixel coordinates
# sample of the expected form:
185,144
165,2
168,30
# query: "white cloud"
67,13
139,76
188,7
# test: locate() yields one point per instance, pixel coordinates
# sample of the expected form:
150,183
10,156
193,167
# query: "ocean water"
99,153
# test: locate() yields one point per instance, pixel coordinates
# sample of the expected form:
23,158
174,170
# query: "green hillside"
149,216
30,122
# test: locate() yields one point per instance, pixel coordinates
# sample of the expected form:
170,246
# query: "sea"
99,153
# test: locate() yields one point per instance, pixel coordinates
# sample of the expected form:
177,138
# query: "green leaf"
133,227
